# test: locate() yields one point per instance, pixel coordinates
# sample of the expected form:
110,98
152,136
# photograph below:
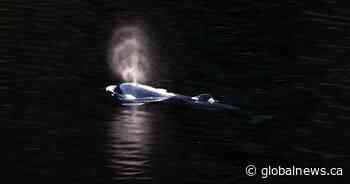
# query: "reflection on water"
131,143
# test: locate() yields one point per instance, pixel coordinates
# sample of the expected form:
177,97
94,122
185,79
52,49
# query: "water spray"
129,56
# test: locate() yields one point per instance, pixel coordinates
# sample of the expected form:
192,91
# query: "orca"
134,94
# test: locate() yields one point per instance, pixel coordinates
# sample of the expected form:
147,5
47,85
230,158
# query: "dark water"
289,60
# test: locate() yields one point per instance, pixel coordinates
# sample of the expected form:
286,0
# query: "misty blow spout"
129,56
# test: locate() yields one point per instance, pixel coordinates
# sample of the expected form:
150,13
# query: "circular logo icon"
250,170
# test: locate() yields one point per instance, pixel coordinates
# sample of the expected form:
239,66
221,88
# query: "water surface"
288,60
